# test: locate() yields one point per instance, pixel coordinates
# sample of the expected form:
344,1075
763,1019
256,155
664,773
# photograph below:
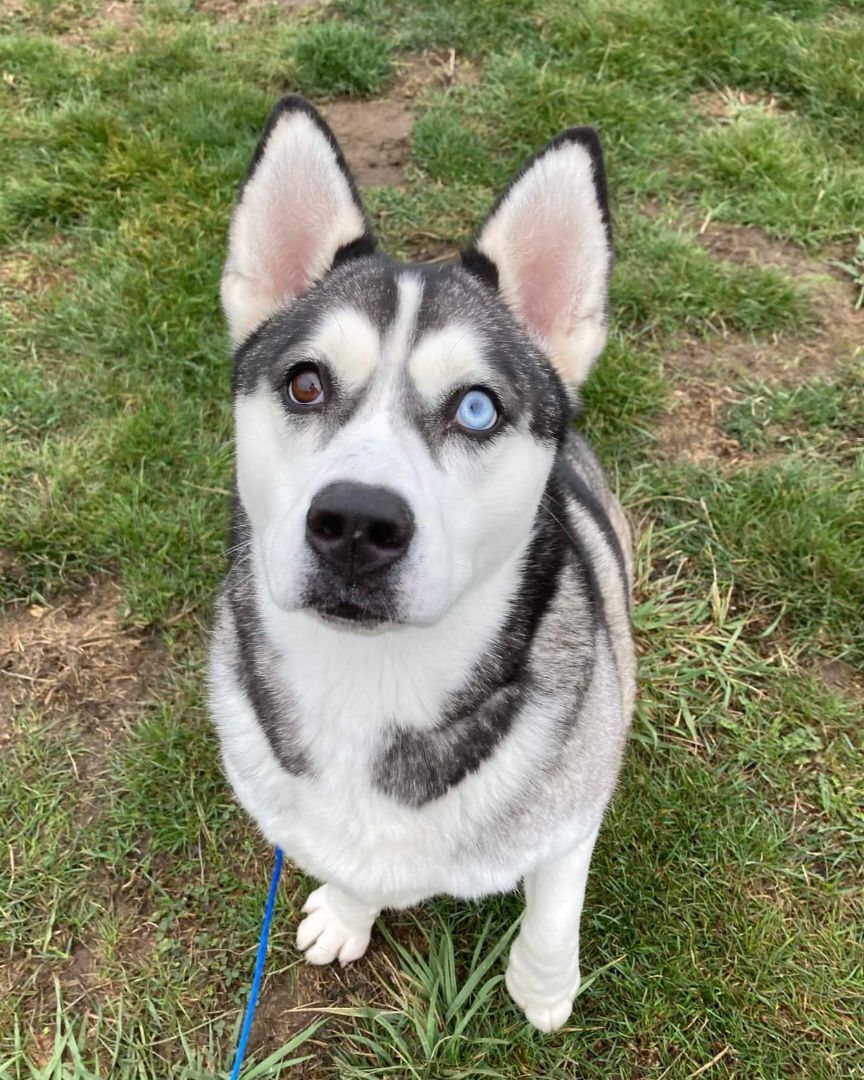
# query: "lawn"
723,925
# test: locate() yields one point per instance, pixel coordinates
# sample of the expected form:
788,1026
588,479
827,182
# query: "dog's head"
396,424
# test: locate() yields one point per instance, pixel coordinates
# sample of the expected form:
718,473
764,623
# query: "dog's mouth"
350,614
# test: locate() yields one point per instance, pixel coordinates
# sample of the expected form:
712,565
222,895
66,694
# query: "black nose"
359,529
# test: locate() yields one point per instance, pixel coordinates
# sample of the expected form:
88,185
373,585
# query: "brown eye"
305,386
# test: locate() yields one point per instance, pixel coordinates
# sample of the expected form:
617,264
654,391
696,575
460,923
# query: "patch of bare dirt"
90,972
691,428
740,243
784,360
436,68
112,954
292,999
840,676
375,134
839,333
23,275
247,10
123,16
80,976
289,1002
75,665
730,103
74,661
836,338
12,567
710,370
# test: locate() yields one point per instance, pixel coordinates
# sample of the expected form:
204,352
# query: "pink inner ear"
299,210
290,260
295,225
545,271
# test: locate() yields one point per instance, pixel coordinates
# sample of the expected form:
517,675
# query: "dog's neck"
404,671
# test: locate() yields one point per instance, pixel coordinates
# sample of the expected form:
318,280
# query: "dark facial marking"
368,284
527,386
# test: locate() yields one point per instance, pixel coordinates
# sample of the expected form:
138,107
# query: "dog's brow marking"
445,358
350,342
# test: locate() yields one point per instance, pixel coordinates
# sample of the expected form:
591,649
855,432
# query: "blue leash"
259,968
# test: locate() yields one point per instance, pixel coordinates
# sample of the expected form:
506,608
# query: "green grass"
342,58
723,914
815,417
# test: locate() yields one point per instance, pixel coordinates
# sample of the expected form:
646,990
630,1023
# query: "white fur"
445,359
374,853
543,970
295,213
337,826
350,344
335,927
549,243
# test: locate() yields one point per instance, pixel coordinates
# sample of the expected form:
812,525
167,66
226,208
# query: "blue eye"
477,411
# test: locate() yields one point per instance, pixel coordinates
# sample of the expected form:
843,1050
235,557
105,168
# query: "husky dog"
422,672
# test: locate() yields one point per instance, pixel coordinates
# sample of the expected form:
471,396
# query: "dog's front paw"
336,927
544,990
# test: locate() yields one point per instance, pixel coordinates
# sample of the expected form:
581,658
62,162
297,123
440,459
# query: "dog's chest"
336,824
360,713
333,818
349,830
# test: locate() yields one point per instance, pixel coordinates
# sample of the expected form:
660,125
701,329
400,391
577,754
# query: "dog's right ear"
297,215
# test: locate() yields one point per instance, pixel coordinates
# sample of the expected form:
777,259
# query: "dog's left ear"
297,215
547,246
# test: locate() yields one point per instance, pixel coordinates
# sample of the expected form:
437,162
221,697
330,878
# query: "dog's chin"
351,617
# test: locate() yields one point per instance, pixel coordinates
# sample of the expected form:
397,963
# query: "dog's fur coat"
452,721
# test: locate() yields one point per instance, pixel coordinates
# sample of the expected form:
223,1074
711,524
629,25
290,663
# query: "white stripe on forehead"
350,343
400,334
396,345
447,358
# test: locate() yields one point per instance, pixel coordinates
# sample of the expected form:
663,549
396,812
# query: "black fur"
586,498
582,559
369,285
528,384
480,265
416,767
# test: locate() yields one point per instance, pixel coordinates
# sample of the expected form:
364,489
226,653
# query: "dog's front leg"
543,970
336,927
